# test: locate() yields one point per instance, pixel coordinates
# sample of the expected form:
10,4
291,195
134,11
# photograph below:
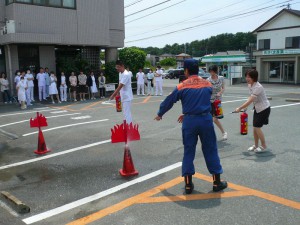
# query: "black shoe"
189,186
220,186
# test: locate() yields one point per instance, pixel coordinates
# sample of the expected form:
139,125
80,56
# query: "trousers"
63,93
126,108
202,127
42,92
158,87
140,87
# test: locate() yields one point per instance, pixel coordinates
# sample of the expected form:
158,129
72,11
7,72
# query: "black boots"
189,186
218,185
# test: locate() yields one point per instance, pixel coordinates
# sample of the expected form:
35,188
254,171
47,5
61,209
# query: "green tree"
111,74
133,57
168,62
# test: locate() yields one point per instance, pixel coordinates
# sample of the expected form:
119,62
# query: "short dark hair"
192,66
253,74
213,68
119,63
158,67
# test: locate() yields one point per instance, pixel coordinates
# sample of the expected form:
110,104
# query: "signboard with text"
281,52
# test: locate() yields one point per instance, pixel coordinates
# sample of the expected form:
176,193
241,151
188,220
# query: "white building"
278,48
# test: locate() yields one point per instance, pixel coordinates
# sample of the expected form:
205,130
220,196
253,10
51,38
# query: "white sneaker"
252,148
224,136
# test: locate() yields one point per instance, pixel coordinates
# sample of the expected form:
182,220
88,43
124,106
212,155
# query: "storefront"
280,66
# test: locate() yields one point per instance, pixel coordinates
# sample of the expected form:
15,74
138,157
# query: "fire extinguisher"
118,104
244,123
218,109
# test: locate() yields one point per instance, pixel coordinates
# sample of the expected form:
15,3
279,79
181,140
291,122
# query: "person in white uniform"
93,85
42,84
140,82
47,77
158,81
63,87
22,87
125,91
53,88
30,95
150,77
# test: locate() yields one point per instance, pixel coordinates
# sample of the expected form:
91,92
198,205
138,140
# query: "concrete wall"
2,13
47,57
93,23
12,64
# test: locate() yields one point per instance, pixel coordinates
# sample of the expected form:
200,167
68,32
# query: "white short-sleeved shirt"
63,80
29,82
41,77
126,90
17,80
160,72
261,101
140,77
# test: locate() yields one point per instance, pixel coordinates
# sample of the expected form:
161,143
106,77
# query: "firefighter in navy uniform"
195,94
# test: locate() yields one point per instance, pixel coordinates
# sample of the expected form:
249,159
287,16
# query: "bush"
168,62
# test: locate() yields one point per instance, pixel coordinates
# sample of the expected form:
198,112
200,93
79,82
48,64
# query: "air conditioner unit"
10,27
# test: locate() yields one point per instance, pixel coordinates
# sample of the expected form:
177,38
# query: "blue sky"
210,18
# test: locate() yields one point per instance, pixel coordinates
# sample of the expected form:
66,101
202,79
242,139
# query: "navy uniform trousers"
194,127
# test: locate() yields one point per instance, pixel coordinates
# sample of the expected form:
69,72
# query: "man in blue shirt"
195,94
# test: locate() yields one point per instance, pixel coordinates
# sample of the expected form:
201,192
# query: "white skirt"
94,88
53,89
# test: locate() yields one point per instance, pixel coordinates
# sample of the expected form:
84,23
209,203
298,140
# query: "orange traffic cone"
42,148
128,167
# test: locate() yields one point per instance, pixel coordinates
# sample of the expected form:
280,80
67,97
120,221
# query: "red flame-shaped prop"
40,121
125,132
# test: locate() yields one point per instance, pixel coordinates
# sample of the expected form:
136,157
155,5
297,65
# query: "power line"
182,21
211,22
150,14
133,3
161,3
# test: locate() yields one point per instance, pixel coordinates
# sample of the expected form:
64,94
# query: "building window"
264,44
70,4
292,42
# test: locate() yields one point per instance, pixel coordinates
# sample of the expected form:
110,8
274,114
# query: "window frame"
265,42
9,2
293,40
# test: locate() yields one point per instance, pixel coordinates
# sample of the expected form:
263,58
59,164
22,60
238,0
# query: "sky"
161,22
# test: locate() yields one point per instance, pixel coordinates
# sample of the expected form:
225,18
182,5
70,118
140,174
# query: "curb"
292,100
20,206
10,135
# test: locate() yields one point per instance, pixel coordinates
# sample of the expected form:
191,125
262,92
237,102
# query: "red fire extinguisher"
218,109
118,104
244,123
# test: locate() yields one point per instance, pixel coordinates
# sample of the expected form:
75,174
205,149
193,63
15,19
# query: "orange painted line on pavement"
126,203
260,194
147,99
194,197
91,105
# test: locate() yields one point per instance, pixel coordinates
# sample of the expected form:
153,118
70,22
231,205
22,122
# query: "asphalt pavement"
78,182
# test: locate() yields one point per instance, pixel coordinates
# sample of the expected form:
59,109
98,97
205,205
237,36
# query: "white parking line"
81,117
57,112
26,112
83,201
281,106
48,117
240,100
54,155
61,127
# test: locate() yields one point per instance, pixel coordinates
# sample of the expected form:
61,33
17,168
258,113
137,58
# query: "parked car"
201,72
175,74
204,76
165,74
